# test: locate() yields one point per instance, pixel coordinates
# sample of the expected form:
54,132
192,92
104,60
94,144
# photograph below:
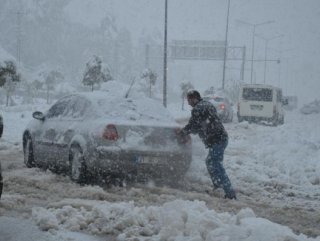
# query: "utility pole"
165,56
243,63
19,39
266,53
254,25
225,47
147,56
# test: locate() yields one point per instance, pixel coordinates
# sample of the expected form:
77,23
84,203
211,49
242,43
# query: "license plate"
256,107
148,160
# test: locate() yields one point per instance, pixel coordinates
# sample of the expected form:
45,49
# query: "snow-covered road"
276,171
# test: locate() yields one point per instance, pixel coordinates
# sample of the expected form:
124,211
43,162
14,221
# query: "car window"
76,107
257,94
58,108
218,99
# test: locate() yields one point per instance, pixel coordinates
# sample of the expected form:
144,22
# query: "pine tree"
150,77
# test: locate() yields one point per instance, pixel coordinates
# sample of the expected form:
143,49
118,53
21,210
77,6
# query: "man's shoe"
231,195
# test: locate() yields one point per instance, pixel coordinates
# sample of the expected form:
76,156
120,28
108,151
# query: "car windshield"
215,99
218,99
257,94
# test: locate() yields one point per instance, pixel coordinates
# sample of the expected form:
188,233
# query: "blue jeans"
216,170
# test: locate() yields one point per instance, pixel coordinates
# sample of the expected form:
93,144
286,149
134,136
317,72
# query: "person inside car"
205,122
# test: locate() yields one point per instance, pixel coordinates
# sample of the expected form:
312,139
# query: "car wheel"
77,165
230,117
28,156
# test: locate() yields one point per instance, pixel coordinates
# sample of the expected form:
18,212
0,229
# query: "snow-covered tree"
96,72
36,85
9,78
150,77
51,79
185,87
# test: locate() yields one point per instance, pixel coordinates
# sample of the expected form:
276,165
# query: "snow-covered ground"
275,170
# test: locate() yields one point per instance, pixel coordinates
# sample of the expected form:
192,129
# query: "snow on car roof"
111,103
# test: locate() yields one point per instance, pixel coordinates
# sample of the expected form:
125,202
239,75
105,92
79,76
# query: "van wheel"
281,121
78,170
275,122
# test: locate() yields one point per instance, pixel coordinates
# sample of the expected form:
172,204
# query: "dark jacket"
205,122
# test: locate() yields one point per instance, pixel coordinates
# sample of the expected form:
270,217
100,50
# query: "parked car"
98,134
259,102
1,125
223,106
311,108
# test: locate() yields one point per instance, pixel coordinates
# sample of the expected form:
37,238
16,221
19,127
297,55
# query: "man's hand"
182,137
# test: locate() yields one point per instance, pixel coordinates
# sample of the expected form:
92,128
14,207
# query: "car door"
47,135
69,124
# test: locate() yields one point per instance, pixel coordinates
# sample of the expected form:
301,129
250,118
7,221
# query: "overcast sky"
296,21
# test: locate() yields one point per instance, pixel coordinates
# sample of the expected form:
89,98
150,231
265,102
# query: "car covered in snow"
311,108
105,135
223,106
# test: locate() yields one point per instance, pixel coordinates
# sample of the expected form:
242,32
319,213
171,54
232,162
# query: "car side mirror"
38,115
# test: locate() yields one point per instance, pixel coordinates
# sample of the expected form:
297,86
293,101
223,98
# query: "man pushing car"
205,122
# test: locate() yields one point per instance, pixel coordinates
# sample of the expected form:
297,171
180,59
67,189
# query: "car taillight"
222,106
110,133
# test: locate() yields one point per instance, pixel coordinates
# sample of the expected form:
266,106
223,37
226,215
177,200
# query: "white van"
258,102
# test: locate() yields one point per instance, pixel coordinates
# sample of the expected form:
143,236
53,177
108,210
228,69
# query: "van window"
257,94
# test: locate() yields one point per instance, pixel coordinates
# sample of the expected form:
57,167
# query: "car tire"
28,156
78,170
1,130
